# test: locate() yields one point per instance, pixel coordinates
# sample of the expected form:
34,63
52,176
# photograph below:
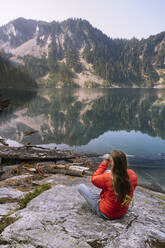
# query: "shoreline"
11,156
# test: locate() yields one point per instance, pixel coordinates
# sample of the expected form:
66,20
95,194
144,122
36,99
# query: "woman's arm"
98,178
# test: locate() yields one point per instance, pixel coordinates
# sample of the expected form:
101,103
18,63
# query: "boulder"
60,218
9,198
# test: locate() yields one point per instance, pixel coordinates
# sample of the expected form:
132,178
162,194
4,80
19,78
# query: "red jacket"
108,203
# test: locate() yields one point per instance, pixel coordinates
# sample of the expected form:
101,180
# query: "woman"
117,187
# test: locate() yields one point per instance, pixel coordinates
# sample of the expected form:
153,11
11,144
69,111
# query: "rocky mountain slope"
73,53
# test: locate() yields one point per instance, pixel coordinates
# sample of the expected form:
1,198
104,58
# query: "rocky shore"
40,207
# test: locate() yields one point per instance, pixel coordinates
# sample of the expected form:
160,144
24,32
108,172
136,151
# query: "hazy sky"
116,18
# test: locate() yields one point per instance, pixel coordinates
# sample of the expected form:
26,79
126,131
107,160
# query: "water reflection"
18,99
75,117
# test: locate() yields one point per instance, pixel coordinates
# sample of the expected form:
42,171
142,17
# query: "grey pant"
92,199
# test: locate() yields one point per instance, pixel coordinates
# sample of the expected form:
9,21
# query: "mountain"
74,53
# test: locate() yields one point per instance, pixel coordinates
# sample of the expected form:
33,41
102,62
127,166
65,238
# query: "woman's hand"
107,159
106,156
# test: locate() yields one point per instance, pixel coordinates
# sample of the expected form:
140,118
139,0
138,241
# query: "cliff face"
73,51
16,33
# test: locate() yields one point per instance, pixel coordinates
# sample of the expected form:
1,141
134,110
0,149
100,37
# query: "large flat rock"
9,192
6,208
7,197
60,218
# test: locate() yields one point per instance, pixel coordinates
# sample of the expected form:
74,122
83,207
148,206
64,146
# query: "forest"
14,77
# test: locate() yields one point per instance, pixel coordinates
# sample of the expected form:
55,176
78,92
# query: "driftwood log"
42,169
68,169
17,175
34,154
38,160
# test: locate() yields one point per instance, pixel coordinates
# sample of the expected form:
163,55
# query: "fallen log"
33,154
65,172
42,169
39,161
67,169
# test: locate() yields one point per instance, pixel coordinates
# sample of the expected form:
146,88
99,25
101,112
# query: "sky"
115,18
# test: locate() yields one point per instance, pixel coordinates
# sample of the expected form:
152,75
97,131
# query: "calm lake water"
93,121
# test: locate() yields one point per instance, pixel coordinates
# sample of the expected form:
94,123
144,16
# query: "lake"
93,121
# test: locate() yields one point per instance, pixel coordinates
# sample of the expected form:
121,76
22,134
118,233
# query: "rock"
61,179
8,200
36,183
9,192
5,246
17,245
17,180
6,208
60,218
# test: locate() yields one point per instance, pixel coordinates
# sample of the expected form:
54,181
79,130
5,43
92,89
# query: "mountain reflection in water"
90,120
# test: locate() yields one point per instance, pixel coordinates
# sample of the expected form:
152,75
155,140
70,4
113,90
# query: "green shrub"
6,221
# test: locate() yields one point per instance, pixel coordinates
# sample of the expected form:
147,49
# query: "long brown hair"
120,176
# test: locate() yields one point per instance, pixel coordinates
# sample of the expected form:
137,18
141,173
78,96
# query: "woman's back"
108,202
117,187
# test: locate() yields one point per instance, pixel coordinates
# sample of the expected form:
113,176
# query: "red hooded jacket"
108,203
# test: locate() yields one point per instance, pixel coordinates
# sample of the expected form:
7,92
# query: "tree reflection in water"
76,116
